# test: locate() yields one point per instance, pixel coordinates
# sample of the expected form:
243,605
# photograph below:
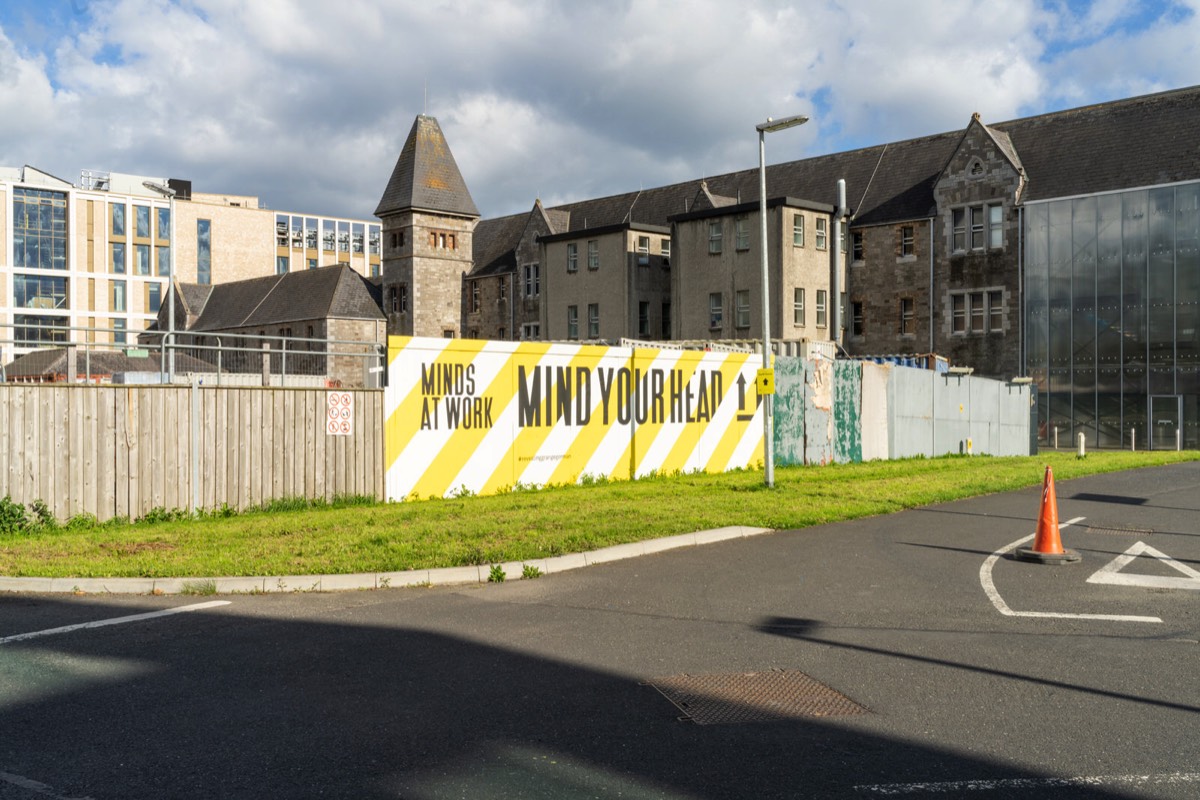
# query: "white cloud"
306,103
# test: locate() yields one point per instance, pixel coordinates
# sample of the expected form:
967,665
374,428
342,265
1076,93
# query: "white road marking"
20,637
34,786
989,588
1013,784
1111,573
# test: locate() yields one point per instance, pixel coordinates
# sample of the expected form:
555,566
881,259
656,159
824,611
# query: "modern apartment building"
98,255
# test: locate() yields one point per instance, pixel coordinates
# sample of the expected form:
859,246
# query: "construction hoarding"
467,416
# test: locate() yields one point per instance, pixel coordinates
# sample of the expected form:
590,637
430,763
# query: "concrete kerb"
449,576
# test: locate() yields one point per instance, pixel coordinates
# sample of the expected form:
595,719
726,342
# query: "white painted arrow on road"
1111,573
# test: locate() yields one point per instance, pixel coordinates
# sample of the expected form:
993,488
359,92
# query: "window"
142,216
475,296
281,265
118,258
117,214
593,320
34,291
141,259
329,236
798,306
741,230
906,241
978,312
374,268
153,297
995,305
531,331
372,239
798,230
715,304
958,313
343,237
643,249
533,280
664,247
164,259
39,230
714,237
986,227
821,318
312,234
118,326
593,254
35,330
666,320
857,250
281,230
572,322
312,263
356,238
203,251
118,296
398,297
995,226
842,236
503,290
742,308
164,224
502,334
977,228
644,320
856,318
907,318
572,257
821,233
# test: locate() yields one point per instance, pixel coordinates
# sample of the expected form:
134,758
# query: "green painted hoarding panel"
847,396
789,411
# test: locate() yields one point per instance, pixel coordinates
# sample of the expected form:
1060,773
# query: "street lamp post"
169,193
770,126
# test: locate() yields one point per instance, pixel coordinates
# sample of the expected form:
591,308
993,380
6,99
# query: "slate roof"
426,176
494,244
52,361
328,292
1140,141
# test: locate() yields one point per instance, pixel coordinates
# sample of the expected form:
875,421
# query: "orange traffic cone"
1047,545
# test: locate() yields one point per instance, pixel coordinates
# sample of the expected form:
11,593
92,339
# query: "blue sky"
306,103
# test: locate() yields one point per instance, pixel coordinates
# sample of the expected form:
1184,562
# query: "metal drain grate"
753,697
1117,529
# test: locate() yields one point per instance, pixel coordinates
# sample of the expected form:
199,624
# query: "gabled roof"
328,292
495,243
426,177
706,200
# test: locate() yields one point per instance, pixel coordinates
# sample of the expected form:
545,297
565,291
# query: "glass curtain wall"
1112,303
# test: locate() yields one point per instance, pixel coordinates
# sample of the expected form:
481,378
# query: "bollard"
1055,437
1133,439
1082,447
969,445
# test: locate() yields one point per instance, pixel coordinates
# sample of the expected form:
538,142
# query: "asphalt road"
541,688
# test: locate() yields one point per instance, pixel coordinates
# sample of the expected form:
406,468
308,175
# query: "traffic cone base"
1047,545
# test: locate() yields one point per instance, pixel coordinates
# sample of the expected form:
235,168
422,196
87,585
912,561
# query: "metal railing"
64,353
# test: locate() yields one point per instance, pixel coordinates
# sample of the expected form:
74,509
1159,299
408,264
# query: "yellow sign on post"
764,381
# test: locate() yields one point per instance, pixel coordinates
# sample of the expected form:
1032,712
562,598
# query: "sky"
307,103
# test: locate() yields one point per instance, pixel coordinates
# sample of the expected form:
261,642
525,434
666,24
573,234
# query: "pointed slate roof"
328,292
426,177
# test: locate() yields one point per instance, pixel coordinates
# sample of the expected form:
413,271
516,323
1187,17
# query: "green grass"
292,538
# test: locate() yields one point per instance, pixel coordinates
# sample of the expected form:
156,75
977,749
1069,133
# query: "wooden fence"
124,450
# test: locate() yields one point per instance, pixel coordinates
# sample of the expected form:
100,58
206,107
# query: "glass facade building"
1112,304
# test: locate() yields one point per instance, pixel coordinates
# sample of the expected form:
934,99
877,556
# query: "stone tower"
428,218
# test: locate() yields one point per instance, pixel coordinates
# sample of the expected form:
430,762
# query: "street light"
770,126
169,193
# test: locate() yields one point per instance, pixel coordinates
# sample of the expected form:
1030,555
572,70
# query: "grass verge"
526,525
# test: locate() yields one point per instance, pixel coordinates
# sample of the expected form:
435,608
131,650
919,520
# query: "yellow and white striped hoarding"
483,416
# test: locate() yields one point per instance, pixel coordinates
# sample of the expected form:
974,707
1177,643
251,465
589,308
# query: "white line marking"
1111,573
20,637
989,588
34,786
1010,784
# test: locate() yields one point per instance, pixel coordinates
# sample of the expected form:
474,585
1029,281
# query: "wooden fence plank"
246,459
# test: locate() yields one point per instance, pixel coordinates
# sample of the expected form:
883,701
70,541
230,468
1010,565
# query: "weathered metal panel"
984,415
847,411
818,411
1013,415
911,424
951,414
874,417
789,411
